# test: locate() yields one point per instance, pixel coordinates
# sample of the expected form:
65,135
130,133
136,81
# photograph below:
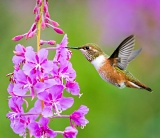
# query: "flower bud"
58,30
51,42
17,38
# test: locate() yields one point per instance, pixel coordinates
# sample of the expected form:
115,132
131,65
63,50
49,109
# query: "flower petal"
72,87
70,132
42,54
65,103
30,56
47,111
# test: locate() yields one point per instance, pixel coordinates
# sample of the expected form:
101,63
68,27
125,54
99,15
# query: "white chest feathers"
98,62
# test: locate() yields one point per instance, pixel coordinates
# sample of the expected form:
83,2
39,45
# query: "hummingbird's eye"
87,47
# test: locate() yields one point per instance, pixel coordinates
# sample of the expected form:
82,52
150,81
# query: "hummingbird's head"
90,51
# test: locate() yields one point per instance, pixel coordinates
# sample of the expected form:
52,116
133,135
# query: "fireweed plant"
36,78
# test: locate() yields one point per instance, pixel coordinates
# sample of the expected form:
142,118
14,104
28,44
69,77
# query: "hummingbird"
112,68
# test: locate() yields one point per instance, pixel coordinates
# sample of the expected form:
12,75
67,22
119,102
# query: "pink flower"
54,100
37,62
70,132
72,87
78,116
19,57
41,129
18,121
44,80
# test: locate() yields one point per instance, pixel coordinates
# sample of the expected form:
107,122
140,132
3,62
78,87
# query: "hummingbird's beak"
72,47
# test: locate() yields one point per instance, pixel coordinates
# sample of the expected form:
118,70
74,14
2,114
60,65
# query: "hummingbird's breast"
110,74
108,71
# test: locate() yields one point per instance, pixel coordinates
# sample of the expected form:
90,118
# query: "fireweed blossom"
43,81
37,77
78,117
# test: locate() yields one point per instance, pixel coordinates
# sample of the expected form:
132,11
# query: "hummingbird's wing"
134,54
124,53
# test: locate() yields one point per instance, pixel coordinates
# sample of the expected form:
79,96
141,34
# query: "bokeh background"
114,113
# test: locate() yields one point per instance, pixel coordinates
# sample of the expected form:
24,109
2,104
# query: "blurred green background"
114,113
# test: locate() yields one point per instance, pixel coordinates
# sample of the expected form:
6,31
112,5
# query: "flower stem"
39,26
61,116
39,35
59,132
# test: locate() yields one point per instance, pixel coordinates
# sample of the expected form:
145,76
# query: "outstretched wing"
124,52
134,54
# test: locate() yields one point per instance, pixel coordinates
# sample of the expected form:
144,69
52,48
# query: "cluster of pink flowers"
42,80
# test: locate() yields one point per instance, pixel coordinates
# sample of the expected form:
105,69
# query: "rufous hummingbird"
113,69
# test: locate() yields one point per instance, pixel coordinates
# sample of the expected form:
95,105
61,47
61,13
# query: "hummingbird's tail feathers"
138,85
149,89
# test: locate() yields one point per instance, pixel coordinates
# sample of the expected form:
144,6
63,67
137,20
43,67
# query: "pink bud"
18,53
31,34
40,2
46,20
35,9
58,30
33,27
51,42
41,42
45,8
47,2
17,38
27,35
43,25
47,14
55,23
37,18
